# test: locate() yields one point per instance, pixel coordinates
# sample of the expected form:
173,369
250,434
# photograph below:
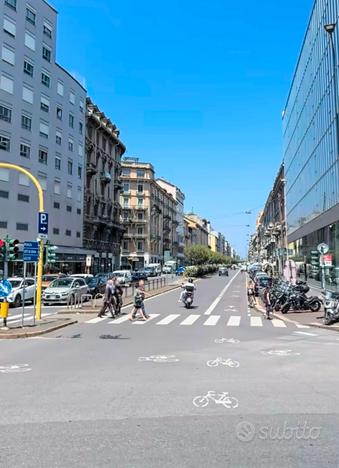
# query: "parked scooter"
331,307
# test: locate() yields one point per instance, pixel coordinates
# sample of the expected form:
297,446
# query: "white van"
155,268
124,277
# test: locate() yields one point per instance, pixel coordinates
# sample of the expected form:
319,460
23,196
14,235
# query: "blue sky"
197,88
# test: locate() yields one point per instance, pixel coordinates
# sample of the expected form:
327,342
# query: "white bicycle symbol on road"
226,340
15,369
158,358
224,362
218,398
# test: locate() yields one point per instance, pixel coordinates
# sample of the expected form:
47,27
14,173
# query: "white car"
18,284
65,290
124,277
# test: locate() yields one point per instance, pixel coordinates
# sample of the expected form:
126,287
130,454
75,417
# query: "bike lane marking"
234,321
256,322
218,299
169,319
212,320
190,320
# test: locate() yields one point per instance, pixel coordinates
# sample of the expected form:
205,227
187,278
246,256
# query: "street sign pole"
23,297
34,299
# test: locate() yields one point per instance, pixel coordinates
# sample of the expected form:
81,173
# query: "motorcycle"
298,302
331,307
188,299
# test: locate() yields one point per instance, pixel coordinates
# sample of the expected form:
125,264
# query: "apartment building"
196,230
103,228
42,128
149,215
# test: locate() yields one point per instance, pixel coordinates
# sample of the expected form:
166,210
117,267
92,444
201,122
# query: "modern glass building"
311,146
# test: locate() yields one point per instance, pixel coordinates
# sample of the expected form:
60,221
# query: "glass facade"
310,139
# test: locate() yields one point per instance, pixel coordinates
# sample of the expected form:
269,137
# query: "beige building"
196,230
149,215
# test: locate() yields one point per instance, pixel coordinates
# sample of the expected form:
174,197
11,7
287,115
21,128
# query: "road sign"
42,224
31,252
88,260
328,260
323,248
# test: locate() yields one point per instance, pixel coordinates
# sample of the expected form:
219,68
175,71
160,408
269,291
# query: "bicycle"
218,398
224,362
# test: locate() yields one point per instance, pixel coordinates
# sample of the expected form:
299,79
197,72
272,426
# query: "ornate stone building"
103,228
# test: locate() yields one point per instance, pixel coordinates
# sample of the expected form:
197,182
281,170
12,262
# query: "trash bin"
4,306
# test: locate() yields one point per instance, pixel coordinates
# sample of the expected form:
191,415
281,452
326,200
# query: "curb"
37,332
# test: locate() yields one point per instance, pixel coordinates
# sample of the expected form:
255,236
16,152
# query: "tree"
197,254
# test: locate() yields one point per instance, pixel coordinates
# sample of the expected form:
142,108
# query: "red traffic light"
2,243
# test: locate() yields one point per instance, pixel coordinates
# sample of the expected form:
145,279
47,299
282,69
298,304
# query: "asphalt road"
121,394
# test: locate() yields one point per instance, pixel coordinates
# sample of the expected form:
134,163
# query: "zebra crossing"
195,319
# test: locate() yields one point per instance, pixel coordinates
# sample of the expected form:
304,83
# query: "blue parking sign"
43,223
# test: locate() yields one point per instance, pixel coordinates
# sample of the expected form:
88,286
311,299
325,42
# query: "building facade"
311,144
149,215
196,230
103,228
42,128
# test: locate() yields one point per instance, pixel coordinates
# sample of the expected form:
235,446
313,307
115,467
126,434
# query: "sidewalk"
45,325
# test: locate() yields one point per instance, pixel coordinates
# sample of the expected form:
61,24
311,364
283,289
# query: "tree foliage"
201,255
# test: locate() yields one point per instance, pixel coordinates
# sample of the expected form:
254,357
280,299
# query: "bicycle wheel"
213,363
233,364
231,403
200,401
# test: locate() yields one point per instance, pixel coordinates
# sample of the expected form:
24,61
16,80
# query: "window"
80,172
79,193
68,233
23,180
140,188
5,114
57,163
9,27
5,143
140,246
47,30
78,234
140,230
72,97
44,130
44,104
29,41
45,80
80,150
3,224
70,167
69,191
25,151
23,198
125,187
69,208
81,128
125,172
46,53
21,227
30,16
140,174
125,245
56,231
28,68
26,123
8,55
6,84
58,137
57,187
71,120
43,156
126,201
78,211
59,113
81,107
140,216
70,144
3,194
27,95
11,3
4,175
43,181
56,205
140,202
60,88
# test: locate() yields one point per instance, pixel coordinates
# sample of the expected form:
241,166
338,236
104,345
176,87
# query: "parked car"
124,277
85,276
96,285
139,275
223,271
151,271
64,290
47,279
167,269
16,296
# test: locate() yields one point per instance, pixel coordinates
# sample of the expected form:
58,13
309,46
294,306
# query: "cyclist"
251,292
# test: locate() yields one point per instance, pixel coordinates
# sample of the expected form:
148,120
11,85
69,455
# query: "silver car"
65,290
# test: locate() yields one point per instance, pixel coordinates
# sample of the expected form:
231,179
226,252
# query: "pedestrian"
251,292
139,305
267,300
108,299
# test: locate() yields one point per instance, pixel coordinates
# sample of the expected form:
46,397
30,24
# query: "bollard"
4,307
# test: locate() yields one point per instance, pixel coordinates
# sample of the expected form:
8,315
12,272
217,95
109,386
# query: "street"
115,393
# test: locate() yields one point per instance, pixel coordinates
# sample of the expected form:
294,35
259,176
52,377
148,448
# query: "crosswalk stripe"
299,325
234,321
122,319
96,320
278,323
256,322
168,319
212,320
151,317
190,320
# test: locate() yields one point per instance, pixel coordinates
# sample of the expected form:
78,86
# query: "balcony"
105,177
91,169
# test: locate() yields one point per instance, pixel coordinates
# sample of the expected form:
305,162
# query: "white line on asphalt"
212,320
278,323
122,319
170,318
96,320
256,322
218,299
234,321
299,325
304,333
190,320
151,317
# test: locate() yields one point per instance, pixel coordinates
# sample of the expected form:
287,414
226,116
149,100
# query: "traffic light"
13,249
50,254
2,249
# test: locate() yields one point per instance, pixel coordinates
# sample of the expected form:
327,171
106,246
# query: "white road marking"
278,323
306,334
122,319
151,317
212,320
299,325
234,321
218,299
168,319
190,320
256,322
96,320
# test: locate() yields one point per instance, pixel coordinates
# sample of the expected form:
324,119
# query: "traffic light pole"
41,243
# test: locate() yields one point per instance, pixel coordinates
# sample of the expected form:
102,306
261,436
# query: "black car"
139,275
96,285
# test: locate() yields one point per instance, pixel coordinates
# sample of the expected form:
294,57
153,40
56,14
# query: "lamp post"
330,29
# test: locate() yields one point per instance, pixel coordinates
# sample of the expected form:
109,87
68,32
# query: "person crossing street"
109,300
139,305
